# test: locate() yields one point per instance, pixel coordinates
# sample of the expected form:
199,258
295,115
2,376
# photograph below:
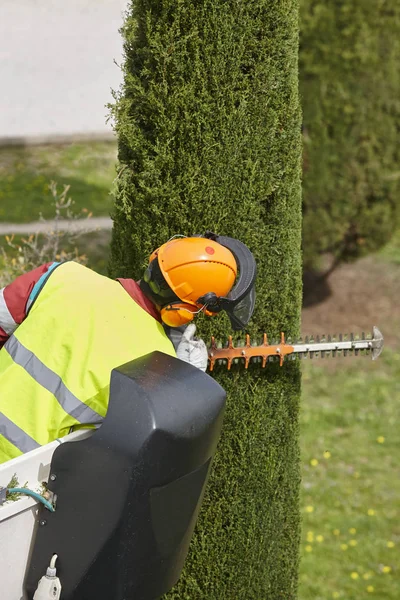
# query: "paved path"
91,224
57,66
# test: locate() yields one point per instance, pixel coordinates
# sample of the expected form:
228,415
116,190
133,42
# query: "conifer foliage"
350,88
209,132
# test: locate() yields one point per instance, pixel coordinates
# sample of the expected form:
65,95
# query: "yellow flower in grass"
390,544
313,462
308,548
344,546
353,543
327,454
310,536
380,439
336,532
320,538
386,569
309,509
370,589
352,530
354,575
370,512
367,575
335,595
356,475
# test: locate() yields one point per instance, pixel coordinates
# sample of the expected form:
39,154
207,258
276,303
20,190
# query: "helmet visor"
241,313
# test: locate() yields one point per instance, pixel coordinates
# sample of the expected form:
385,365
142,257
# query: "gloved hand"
192,351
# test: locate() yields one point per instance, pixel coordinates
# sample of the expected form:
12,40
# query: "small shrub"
54,244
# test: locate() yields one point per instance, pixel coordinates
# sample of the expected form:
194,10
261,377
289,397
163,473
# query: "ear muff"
178,313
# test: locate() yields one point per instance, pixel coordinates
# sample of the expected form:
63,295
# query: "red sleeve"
13,300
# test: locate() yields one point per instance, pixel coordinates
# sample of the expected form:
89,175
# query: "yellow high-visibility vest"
55,369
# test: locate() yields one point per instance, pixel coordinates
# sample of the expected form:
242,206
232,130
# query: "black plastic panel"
129,496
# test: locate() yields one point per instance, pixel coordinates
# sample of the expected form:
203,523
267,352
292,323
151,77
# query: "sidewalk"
74,225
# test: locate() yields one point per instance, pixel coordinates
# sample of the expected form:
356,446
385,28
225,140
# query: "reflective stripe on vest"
51,382
16,436
55,369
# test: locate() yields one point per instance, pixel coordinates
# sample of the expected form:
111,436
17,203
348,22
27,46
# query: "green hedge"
209,131
350,88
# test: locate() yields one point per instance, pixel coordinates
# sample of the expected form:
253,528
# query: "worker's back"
55,368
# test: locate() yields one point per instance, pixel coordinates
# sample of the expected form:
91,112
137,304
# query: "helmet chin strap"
189,311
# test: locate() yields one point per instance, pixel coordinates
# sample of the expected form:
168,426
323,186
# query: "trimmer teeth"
321,346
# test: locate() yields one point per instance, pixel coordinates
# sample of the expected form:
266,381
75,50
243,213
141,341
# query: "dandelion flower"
344,546
353,543
354,575
390,544
308,548
370,588
335,595
313,462
309,509
320,538
386,569
370,512
310,536
327,454
367,575
336,532
380,439
352,530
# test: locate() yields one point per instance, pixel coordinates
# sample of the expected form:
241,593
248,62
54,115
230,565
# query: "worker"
63,328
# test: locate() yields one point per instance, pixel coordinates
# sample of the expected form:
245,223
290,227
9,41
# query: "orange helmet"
189,274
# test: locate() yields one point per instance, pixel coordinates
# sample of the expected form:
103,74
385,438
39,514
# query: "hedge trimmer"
310,347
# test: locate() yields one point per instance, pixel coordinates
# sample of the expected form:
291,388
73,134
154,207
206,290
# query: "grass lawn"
25,173
351,479
350,443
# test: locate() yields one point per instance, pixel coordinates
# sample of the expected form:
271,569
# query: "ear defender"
178,313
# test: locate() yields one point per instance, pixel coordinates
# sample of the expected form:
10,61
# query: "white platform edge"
32,469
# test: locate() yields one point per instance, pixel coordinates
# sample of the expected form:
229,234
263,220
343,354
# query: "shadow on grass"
316,288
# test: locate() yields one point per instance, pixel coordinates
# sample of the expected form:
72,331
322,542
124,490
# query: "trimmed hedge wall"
209,128
350,88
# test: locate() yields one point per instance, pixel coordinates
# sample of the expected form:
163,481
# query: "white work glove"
192,351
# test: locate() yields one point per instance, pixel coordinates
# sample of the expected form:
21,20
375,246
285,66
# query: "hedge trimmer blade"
324,346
